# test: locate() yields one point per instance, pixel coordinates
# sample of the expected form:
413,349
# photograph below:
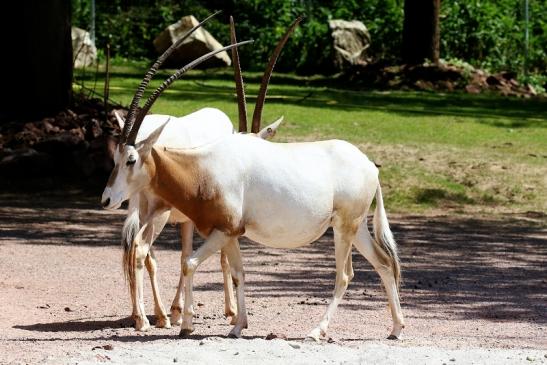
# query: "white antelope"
196,129
282,195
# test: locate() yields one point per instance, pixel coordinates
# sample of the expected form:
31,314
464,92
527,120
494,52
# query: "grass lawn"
439,152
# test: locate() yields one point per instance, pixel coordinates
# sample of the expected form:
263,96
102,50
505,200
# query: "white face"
127,177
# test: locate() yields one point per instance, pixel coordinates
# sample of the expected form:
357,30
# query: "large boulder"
198,44
351,39
84,51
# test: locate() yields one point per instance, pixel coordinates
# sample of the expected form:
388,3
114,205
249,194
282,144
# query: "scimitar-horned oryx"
193,130
282,195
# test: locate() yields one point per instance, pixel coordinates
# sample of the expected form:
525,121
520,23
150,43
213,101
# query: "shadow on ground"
476,268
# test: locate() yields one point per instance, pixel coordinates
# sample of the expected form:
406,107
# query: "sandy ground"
474,291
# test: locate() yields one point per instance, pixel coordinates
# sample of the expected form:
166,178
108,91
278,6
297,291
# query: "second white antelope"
281,195
196,129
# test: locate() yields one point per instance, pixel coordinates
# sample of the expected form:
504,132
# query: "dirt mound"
440,77
73,143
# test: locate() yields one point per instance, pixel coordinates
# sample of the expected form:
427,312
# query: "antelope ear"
271,130
144,147
120,120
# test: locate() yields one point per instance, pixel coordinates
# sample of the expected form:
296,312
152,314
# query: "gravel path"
474,290
259,351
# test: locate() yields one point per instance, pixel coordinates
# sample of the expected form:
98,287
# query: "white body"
193,130
279,195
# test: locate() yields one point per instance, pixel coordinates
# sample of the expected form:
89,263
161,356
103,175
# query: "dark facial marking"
113,176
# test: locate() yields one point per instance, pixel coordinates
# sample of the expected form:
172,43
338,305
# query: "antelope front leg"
162,321
158,221
141,251
216,241
186,240
238,277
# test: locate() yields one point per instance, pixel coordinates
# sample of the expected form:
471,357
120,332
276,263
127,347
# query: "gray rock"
351,39
84,51
198,44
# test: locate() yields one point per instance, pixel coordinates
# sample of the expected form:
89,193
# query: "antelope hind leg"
186,241
342,252
238,276
230,308
365,245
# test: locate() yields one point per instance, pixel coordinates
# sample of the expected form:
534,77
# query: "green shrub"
490,34
485,33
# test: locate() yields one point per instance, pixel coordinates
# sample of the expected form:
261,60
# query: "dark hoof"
392,337
185,333
231,335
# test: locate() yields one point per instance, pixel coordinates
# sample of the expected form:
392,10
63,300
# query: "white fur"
287,195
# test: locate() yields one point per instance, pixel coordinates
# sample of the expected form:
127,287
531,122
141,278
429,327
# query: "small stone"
200,304
67,309
201,343
452,359
175,359
105,347
237,353
294,345
331,340
273,336
530,358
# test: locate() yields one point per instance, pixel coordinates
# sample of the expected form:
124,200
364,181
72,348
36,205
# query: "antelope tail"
383,238
129,232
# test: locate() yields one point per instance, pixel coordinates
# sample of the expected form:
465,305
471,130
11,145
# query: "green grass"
439,152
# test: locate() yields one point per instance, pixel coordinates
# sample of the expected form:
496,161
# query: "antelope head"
129,175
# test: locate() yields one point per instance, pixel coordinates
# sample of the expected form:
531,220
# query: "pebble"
294,345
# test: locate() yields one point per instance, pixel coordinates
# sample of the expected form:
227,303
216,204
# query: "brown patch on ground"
467,282
437,77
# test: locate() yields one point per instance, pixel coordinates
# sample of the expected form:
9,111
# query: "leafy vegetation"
485,33
438,152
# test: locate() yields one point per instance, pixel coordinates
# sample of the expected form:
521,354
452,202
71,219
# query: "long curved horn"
240,91
154,96
129,120
261,98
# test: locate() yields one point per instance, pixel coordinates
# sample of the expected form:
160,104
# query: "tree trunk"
421,31
39,58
